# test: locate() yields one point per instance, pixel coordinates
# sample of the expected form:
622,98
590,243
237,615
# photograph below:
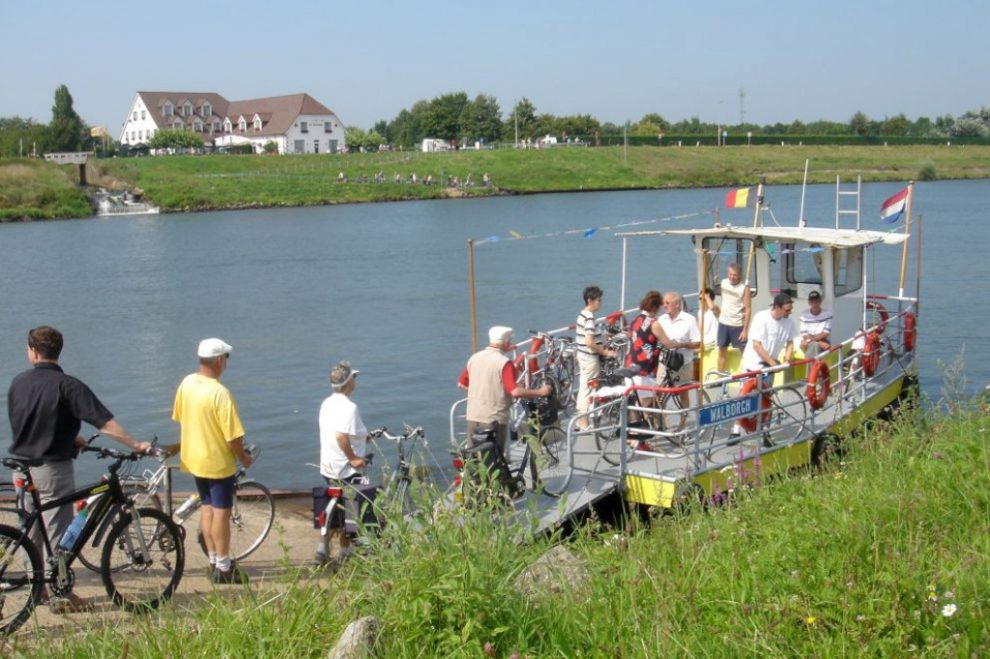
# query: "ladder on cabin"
844,208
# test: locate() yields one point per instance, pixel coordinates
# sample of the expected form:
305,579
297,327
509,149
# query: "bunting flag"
738,198
892,209
590,232
515,234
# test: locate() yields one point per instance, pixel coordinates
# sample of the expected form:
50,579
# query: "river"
386,287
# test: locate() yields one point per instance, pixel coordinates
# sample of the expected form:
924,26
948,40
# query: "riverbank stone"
357,641
557,571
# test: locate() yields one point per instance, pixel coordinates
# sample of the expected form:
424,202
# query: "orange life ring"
534,348
749,423
882,311
871,354
616,319
819,384
910,331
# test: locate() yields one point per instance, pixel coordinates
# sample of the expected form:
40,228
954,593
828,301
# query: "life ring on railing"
819,384
910,331
882,311
534,348
871,354
749,423
616,320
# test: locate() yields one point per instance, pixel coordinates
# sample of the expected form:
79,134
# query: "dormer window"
197,125
187,109
177,124
216,126
257,123
242,124
207,109
227,125
167,109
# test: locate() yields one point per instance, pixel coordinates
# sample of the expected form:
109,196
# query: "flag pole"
474,303
622,289
756,223
907,231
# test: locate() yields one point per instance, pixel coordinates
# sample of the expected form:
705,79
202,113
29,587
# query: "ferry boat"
734,429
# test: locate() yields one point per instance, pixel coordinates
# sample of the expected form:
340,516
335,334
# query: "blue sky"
614,60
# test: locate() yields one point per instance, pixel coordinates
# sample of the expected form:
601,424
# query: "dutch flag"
893,208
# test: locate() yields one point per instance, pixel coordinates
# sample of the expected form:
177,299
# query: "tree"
651,124
270,147
859,124
524,116
18,136
895,125
443,116
482,119
175,138
65,133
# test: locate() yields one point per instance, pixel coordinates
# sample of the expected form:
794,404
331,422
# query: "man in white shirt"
771,331
816,326
343,442
682,329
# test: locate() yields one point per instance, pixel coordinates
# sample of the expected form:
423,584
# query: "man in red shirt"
490,381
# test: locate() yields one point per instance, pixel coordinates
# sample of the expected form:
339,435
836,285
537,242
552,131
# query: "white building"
297,123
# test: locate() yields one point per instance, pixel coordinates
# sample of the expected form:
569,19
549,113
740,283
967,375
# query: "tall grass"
33,189
884,553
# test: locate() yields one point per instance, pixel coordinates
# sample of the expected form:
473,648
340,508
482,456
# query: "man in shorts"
816,326
735,313
211,443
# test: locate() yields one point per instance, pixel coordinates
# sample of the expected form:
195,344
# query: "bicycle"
559,368
389,501
782,415
144,541
251,518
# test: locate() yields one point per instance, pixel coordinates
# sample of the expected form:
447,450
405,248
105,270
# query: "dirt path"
289,545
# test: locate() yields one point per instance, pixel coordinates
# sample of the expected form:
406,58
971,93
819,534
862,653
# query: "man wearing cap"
211,442
771,331
46,409
343,444
490,381
816,326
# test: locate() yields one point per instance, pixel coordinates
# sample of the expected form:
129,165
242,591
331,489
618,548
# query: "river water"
386,286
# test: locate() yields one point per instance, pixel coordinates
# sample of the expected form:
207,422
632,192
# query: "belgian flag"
738,198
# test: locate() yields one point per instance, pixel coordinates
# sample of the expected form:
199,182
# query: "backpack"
672,360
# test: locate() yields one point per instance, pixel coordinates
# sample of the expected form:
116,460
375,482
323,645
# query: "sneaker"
320,559
733,439
231,576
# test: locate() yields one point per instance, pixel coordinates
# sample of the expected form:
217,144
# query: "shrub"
926,171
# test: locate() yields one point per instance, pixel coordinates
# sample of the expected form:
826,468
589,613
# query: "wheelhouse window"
847,265
722,252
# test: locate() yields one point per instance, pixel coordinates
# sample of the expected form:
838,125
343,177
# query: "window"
722,252
257,123
140,134
187,109
177,124
227,125
198,125
207,109
242,124
216,126
316,146
848,269
142,114
303,127
327,127
134,115
167,110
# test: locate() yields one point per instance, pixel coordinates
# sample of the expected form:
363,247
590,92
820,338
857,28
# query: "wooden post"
474,302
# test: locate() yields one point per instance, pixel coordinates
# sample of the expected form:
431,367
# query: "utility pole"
742,106
515,118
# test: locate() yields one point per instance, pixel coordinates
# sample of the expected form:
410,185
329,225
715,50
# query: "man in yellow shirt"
211,438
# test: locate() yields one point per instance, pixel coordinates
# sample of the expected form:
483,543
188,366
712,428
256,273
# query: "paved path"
290,544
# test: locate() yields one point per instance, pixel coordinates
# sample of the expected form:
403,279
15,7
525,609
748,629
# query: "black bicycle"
144,541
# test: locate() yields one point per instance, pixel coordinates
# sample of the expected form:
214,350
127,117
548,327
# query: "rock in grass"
357,641
556,571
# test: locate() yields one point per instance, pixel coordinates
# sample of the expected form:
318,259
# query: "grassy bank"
185,183
886,553
33,189
199,183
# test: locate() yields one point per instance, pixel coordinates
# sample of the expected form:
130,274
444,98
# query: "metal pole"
474,301
622,289
907,230
917,270
756,223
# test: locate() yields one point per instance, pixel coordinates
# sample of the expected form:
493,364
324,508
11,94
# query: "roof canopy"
814,235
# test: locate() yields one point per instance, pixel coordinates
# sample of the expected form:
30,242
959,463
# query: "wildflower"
949,595
810,620
948,610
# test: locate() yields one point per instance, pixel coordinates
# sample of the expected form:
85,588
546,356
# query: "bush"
926,171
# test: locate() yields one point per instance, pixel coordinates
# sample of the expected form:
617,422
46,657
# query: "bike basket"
673,360
544,410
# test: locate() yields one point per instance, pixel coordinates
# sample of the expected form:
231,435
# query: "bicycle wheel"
551,461
788,415
143,559
21,578
678,421
92,551
608,432
250,519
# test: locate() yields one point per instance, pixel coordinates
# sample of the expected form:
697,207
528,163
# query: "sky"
616,61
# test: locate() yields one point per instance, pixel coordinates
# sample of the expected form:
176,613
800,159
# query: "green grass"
859,559
186,183
33,189
196,183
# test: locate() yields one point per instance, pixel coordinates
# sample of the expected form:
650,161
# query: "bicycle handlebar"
409,433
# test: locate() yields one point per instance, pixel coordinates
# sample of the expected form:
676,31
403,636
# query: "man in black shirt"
46,409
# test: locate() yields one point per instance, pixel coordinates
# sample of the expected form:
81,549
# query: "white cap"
209,348
341,374
499,333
